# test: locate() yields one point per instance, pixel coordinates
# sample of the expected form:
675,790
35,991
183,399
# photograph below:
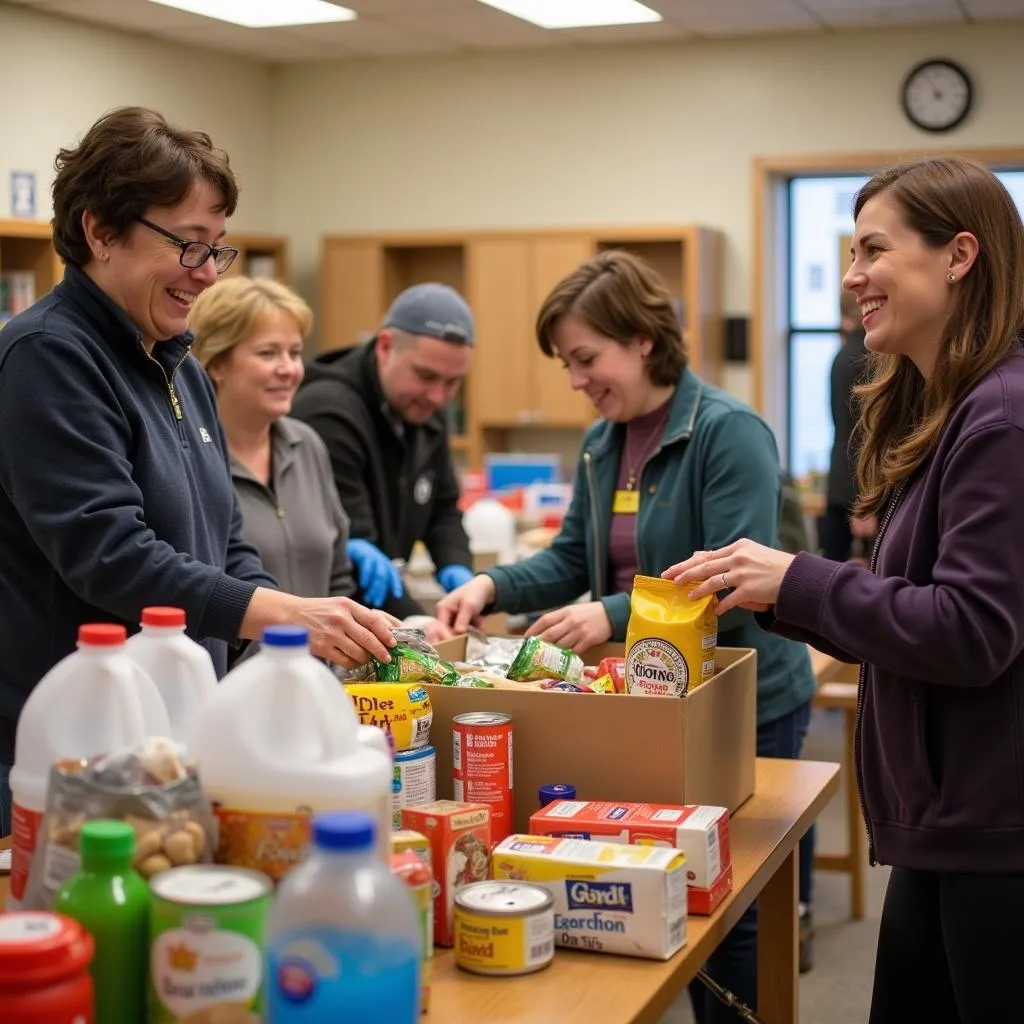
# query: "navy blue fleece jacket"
115,491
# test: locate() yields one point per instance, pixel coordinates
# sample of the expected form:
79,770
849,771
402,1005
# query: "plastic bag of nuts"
150,788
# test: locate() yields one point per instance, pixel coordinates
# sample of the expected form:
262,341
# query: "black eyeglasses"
195,254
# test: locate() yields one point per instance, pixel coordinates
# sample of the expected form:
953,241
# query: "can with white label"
413,781
504,928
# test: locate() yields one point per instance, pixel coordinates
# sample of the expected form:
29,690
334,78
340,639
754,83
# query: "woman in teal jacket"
673,466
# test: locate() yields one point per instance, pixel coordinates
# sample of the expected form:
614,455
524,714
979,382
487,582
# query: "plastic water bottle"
344,940
182,669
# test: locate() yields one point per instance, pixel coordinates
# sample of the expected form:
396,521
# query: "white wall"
602,136
57,77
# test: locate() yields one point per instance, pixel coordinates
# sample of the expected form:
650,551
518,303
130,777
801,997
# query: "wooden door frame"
768,173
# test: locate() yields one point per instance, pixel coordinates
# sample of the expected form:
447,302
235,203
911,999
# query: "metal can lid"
482,718
503,899
210,885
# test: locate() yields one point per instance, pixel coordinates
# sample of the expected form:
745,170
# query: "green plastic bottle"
110,900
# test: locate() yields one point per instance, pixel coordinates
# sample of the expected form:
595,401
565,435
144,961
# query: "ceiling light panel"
576,13
264,13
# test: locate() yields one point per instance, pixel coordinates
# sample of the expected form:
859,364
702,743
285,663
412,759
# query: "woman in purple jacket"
938,618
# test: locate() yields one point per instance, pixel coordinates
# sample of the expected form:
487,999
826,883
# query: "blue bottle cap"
555,791
344,830
285,636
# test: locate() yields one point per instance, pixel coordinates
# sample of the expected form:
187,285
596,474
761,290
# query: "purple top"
642,437
940,746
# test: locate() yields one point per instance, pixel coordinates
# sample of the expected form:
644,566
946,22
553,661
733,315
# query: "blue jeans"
734,963
5,799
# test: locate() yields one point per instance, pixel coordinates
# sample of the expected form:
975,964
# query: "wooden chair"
837,689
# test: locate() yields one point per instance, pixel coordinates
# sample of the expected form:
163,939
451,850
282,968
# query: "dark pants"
835,538
949,949
734,963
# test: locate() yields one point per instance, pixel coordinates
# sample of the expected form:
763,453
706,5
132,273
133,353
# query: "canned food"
402,710
555,791
207,926
504,928
413,781
482,766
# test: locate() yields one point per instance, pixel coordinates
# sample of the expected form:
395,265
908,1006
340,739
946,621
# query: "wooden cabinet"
505,277
259,255
29,265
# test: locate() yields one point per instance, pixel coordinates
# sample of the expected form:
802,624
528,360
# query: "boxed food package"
460,842
694,750
609,898
702,833
410,867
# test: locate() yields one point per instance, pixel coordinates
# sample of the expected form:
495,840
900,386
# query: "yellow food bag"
670,640
402,709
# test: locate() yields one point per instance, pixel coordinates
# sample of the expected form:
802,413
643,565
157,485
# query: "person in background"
249,336
380,410
114,485
674,465
938,618
841,534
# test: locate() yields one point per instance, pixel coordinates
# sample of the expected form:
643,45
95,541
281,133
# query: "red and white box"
702,833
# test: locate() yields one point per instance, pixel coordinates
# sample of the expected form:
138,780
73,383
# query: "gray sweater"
297,524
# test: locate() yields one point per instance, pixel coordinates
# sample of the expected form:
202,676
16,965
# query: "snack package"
670,640
410,665
538,659
147,786
493,654
476,680
615,669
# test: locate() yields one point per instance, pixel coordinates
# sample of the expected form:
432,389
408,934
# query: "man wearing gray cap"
378,408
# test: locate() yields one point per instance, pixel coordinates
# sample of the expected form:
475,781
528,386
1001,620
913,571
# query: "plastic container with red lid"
44,969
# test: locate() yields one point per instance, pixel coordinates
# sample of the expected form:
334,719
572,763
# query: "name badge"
626,503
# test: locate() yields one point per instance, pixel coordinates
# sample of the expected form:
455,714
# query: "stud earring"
951,278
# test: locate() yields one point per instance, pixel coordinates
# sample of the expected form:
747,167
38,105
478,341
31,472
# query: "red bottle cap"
38,947
102,634
158,616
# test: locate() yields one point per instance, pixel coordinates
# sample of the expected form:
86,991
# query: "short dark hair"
129,160
620,296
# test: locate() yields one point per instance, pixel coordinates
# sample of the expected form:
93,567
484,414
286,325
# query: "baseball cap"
434,310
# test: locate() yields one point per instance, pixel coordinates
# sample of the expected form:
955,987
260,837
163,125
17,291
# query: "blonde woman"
248,336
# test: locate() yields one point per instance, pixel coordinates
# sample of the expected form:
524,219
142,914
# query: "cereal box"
702,833
460,841
609,898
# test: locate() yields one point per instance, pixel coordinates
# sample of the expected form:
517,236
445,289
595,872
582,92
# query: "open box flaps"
697,750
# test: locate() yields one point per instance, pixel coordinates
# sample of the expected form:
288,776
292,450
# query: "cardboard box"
694,750
701,833
629,900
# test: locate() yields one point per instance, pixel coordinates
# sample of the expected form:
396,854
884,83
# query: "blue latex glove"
452,576
378,578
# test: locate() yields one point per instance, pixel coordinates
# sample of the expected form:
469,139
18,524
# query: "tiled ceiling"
391,27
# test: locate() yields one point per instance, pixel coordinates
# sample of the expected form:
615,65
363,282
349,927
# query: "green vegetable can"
207,925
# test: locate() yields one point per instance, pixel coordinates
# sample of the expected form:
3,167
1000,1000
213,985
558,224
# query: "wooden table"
589,987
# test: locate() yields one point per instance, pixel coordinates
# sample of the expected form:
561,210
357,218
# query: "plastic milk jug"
182,669
279,740
94,701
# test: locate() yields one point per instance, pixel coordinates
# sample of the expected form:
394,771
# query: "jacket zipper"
588,461
862,679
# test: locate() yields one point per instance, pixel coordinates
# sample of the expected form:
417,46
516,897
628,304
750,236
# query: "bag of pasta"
670,640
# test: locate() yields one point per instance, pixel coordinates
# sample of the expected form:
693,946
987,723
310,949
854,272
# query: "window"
820,222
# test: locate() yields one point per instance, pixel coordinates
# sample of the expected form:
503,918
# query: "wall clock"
937,95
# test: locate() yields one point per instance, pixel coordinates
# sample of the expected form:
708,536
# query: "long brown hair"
902,414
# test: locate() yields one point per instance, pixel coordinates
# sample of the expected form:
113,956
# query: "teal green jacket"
713,479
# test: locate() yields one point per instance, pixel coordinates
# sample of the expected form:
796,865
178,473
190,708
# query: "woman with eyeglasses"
115,490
